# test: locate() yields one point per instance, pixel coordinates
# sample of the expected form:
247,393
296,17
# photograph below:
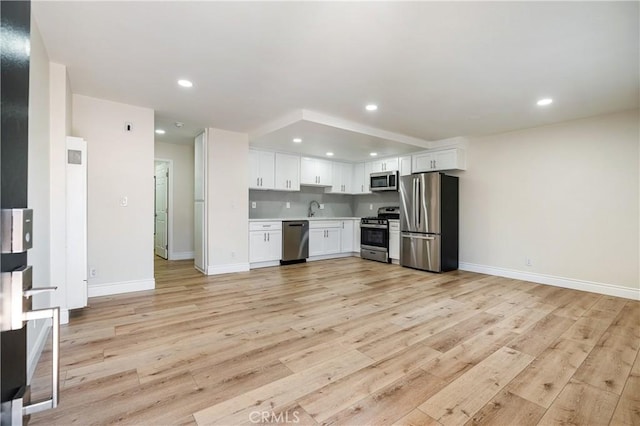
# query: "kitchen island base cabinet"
265,244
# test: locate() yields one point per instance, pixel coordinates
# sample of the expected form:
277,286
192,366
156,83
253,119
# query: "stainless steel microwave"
384,181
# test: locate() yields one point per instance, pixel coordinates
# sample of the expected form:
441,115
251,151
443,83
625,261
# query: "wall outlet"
288,205
93,272
253,204
528,262
370,206
321,206
124,201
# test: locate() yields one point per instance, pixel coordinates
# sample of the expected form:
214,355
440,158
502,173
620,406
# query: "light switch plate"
321,206
288,205
253,204
124,201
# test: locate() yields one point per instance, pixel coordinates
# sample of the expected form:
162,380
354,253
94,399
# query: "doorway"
163,206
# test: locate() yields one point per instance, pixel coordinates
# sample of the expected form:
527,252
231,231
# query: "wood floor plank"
416,418
538,338
608,365
469,353
627,413
450,337
587,330
627,323
628,409
580,404
343,393
390,403
464,397
507,409
283,391
543,380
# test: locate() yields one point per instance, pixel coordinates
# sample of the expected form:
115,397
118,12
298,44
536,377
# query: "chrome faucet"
311,212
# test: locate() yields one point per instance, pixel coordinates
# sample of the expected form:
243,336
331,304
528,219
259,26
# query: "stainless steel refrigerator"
429,222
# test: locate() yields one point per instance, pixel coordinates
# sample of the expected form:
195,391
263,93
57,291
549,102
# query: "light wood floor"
348,342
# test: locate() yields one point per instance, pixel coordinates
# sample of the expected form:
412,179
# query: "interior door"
14,95
162,210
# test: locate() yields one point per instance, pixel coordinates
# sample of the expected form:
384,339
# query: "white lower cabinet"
265,241
324,237
346,237
394,239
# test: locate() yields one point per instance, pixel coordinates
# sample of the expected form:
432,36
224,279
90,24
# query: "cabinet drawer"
264,226
314,224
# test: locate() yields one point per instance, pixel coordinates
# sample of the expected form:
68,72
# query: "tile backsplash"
272,204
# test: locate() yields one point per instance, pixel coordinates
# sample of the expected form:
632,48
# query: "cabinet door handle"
257,181
264,237
268,237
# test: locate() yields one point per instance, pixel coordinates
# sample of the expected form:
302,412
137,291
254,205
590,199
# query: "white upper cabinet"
360,180
448,159
405,165
342,175
315,172
384,165
287,172
261,169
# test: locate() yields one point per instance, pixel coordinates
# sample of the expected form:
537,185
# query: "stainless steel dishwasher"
295,241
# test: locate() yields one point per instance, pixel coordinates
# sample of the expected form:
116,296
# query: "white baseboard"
256,265
64,316
227,269
108,289
594,287
182,255
34,356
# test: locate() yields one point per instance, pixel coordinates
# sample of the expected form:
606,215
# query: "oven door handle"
374,226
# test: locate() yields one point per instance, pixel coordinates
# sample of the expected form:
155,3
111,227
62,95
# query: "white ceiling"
436,69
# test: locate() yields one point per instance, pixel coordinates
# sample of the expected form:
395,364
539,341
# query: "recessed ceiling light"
330,154
371,107
185,83
160,131
373,154
297,140
545,101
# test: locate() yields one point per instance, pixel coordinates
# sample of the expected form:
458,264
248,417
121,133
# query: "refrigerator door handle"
419,203
417,237
416,205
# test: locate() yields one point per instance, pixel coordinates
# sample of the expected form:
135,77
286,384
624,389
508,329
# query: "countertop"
303,218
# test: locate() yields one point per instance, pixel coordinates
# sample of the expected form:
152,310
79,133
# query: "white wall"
59,129
228,198
120,164
38,187
564,195
182,214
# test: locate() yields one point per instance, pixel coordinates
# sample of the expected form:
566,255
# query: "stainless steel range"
374,234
